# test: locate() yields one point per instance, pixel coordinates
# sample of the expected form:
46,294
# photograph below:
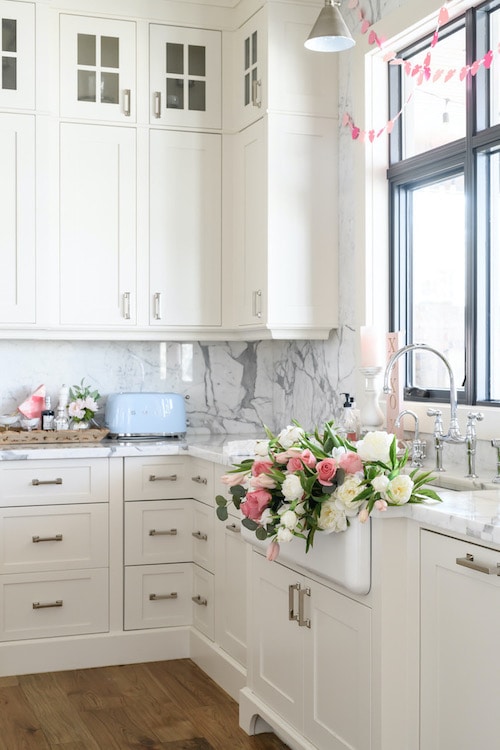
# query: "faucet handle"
434,412
438,422
475,416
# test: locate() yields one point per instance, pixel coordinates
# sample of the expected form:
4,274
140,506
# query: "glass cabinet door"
97,68
250,84
17,49
185,67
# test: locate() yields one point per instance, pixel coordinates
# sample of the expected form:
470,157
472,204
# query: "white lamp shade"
329,33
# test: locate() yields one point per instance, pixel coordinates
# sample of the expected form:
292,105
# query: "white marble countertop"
472,510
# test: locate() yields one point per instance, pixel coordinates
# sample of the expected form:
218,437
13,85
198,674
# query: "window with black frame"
444,181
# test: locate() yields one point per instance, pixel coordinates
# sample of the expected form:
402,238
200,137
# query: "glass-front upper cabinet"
251,71
98,69
185,76
17,46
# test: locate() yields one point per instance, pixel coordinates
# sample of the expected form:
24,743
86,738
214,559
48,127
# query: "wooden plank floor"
168,705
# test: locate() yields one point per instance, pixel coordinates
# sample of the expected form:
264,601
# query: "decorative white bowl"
7,420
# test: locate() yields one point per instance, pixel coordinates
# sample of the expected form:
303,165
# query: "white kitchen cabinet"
272,70
17,47
285,228
98,264
97,68
17,222
185,229
310,657
460,620
185,76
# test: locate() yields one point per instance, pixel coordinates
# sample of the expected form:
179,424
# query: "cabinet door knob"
157,104
126,102
469,562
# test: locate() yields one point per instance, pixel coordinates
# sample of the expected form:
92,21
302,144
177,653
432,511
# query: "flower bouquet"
301,483
82,405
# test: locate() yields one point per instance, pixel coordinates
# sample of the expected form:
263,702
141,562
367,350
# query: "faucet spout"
453,435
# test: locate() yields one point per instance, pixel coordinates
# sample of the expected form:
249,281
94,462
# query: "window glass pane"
86,49
110,88
247,89
494,276
175,58
9,73
197,95
494,71
196,60
175,93
9,35
86,86
247,53
110,53
254,48
434,111
438,271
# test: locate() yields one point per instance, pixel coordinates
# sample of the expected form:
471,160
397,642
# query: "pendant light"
330,33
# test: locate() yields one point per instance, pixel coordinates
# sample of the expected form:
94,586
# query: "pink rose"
255,503
263,481
233,479
350,462
261,467
282,458
294,464
309,458
273,551
326,471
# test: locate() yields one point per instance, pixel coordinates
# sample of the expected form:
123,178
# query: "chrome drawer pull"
468,562
126,305
303,621
40,605
157,305
56,538
126,102
166,532
234,528
167,478
199,535
157,104
157,597
38,482
291,600
200,480
200,600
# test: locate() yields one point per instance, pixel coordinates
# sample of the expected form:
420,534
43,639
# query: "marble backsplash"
232,387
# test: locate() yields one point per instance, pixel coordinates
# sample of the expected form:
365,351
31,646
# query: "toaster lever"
167,478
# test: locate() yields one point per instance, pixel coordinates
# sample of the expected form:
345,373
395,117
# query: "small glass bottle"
61,422
47,416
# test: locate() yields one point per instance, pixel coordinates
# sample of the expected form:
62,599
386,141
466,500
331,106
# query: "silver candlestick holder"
371,415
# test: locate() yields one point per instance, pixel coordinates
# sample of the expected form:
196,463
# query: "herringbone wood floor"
169,705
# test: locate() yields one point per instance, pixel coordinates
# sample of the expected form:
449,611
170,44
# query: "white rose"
331,518
289,436
400,489
289,519
266,517
90,404
345,494
292,488
262,448
284,535
375,446
380,483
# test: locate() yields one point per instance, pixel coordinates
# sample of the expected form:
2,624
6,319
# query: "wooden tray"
12,436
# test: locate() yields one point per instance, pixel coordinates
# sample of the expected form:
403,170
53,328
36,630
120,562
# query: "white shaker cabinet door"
98,74
185,229
185,74
17,50
17,218
460,621
97,226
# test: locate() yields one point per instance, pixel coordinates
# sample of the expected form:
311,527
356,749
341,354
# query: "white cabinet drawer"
41,605
43,538
203,602
203,535
201,480
67,480
158,531
158,596
156,478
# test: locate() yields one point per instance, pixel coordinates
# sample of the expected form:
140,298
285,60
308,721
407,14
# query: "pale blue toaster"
145,415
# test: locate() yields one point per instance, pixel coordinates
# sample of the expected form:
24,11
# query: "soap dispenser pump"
348,421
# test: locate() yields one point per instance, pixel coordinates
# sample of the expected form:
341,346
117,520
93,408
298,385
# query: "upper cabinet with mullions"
98,68
17,50
185,77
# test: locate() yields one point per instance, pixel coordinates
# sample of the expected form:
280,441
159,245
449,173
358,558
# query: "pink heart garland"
346,118
443,16
365,26
449,75
463,72
355,133
488,59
